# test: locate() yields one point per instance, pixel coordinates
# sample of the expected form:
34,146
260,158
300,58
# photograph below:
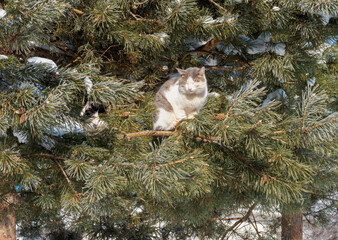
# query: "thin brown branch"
78,11
255,223
227,219
255,227
56,160
217,5
243,219
140,3
174,162
276,132
256,124
150,133
66,176
321,124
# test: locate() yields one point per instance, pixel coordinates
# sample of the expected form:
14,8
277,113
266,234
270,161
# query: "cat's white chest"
183,104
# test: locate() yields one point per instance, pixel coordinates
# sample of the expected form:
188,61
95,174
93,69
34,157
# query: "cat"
180,98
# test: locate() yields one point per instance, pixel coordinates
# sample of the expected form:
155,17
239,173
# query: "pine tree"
76,147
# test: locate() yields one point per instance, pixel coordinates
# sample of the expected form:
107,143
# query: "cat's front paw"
191,116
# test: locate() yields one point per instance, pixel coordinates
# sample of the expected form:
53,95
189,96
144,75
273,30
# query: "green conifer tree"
265,140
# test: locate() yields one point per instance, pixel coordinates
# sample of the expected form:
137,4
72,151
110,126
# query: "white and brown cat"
180,98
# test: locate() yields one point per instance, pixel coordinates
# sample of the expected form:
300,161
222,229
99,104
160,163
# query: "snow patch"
65,128
3,57
47,143
195,43
89,84
162,36
21,135
311,81
2,13
210,20
278,48
42,61
276,9
278,95
227,49
214,94
262,44
137,211
165,68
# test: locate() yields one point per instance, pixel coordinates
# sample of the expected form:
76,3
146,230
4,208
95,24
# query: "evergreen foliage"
106,177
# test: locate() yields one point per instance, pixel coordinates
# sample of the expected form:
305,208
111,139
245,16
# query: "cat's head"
192,80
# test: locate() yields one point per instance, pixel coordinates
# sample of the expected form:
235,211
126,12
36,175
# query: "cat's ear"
201,71
181,71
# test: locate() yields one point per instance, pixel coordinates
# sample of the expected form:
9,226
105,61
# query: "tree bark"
292,226
7,218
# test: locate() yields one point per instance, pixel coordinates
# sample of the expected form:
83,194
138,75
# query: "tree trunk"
292,226
7,219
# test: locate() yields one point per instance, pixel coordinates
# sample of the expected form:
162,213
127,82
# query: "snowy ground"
310,232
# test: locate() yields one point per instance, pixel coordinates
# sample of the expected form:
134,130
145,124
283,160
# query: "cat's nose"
190,89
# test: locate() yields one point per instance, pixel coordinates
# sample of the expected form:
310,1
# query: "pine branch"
152,133
306,108
226,115
215,140
129,136
56,158
303,129
320,124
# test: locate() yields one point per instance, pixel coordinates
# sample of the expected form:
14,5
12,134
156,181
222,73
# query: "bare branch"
217,5
140,3
255,227
243,219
